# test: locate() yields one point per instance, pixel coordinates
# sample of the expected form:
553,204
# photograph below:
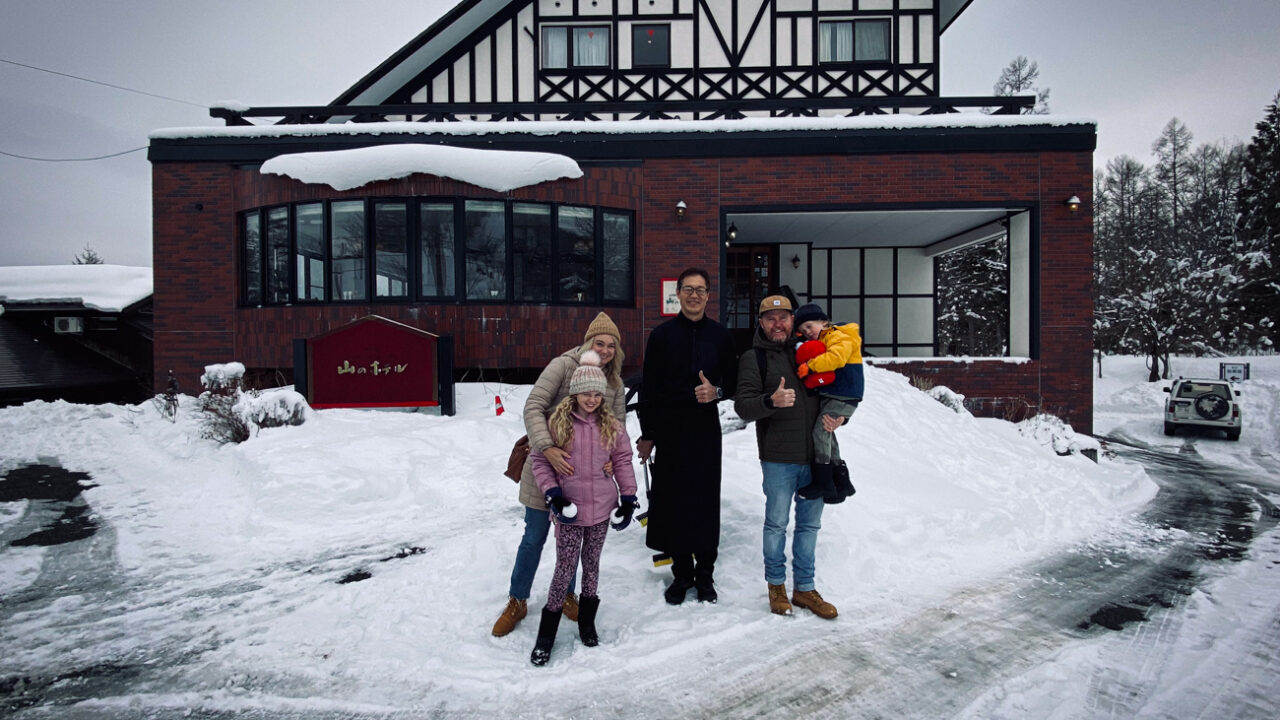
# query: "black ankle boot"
842,487
676,591
546,637
706,588
587,607
822,485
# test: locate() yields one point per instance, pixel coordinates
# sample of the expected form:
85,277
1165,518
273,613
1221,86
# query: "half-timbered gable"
668,58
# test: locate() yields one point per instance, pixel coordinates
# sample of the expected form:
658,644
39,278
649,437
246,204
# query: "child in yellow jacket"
840,396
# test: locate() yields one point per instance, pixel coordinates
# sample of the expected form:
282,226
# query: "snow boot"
546,637
511,616
842,486
587,607
778,604
822,484
570,607
676,591
705,585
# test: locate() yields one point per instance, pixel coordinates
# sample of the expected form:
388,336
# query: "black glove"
564,510
627,507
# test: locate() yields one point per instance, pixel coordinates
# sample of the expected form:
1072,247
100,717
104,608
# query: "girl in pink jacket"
600,453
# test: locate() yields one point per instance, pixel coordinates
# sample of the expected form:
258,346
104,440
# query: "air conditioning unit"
68,325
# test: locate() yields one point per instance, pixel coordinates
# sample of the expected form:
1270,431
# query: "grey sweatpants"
825,447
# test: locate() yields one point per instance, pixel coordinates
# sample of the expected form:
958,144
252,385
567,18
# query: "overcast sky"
1132,65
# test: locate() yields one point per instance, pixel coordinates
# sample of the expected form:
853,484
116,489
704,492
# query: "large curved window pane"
615,242
391,250
278,255
308,233
251,232
349,250
486,250
435,230
531,251
577,254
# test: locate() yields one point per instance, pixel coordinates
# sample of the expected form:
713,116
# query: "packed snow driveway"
942,662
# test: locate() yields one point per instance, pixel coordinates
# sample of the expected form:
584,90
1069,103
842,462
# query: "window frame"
612,229
636,29
853,23
570,61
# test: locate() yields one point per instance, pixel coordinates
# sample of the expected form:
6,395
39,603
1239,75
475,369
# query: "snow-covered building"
523,164
80,333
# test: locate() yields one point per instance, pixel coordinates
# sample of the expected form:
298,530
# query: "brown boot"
570,608
511,616
811,600
778,604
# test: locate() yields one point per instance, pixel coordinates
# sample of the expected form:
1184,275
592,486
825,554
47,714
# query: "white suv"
1203,403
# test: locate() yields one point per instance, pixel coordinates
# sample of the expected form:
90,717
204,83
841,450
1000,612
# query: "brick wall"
198,321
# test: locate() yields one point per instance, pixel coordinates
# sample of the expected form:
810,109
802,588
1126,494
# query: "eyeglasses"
691,290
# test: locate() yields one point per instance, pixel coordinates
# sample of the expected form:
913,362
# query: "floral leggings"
572,541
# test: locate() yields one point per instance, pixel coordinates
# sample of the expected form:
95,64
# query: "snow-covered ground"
212,583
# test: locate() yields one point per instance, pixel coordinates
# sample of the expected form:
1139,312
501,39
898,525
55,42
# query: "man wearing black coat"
689,366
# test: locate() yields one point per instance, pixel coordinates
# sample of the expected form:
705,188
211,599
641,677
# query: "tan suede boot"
778,604
570,608
812,601
511,616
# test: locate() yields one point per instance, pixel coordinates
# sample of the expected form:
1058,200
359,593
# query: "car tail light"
1235,412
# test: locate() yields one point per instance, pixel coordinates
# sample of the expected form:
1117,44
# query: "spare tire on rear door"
1210,406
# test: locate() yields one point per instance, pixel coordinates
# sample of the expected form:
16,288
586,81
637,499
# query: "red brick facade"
198,319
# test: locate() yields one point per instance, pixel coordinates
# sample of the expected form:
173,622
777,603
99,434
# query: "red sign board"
373,362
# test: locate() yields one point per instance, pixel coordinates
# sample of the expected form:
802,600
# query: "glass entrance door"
750,275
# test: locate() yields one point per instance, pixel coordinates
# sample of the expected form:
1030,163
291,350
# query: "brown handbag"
515,463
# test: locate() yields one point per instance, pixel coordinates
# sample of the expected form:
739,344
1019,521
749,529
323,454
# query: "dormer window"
843,41
575,46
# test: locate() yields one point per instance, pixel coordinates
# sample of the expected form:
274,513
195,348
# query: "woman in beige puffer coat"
552,386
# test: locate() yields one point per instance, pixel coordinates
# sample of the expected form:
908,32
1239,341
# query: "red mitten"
805,352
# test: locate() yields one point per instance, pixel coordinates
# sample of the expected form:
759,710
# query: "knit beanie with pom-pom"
588,377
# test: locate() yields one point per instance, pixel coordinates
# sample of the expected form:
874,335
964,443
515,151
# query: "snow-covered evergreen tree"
1258,251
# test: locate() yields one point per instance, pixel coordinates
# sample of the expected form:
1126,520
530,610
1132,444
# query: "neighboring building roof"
465,18
30,367
109,288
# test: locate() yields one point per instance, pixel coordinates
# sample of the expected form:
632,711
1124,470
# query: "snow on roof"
110,288
624,127
499,170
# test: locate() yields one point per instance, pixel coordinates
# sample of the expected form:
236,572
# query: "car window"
1194,390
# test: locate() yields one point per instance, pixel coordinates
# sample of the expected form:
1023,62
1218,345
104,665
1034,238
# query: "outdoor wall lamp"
680,208
732,232
795,261
1072,203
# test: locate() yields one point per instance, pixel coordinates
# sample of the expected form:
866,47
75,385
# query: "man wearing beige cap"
772,395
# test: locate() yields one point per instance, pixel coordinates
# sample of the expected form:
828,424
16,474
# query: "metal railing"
587,111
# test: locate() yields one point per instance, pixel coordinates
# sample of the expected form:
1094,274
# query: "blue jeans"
781,480
536,525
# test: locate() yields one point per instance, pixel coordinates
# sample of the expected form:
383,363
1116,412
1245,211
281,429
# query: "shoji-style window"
854,41
575,46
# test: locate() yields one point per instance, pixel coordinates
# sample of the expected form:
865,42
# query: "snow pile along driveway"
214,579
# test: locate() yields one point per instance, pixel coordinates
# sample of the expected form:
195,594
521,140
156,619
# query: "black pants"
682,565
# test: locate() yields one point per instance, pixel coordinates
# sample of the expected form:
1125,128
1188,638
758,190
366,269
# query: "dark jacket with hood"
783,435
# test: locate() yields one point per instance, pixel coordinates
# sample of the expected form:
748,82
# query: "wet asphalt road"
932,665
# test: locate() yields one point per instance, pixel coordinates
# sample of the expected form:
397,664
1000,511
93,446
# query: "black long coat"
684,504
